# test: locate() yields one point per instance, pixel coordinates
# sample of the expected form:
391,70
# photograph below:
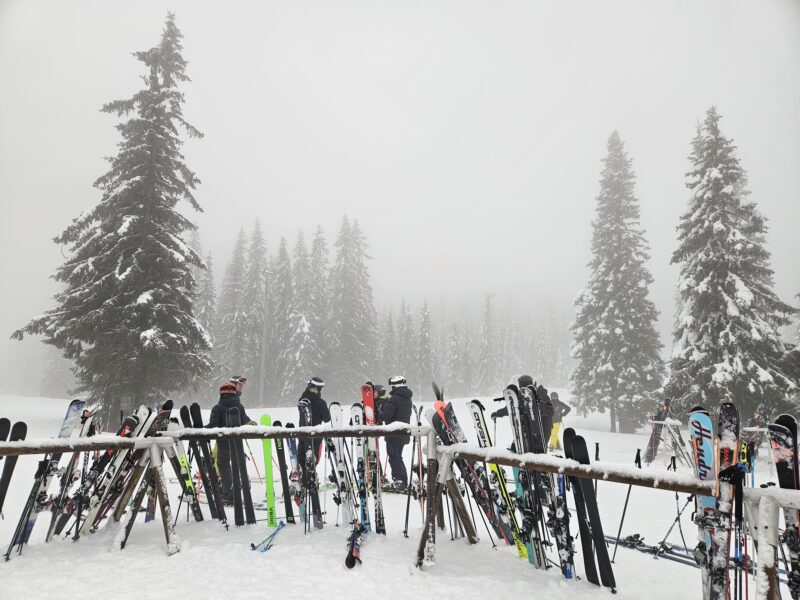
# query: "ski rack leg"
446,479
160,484
426,552
766,529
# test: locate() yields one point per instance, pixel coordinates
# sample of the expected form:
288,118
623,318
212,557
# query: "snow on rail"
110,441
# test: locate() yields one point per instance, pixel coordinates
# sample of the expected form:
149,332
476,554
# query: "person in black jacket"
229,397
397,408
319,414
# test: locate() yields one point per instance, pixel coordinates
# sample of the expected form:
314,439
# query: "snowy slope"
214,563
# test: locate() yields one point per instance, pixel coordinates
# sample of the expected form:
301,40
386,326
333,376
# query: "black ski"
581,453
589,562
196,453
18,433
287,494
205,449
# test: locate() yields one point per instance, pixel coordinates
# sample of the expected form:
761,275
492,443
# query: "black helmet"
316,382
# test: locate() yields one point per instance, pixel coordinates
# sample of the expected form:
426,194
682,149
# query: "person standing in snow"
229,397
319,414
560,410
397,408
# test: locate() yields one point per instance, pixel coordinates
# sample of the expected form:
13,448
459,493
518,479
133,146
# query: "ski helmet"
397,381
316,382
380,391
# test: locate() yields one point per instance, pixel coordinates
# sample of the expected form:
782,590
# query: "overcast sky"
465,136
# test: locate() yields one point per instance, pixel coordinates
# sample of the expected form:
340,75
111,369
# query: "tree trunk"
612,411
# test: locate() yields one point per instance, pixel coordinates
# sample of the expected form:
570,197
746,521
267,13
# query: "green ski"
272,521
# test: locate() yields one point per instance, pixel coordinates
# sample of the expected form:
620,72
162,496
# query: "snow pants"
394,449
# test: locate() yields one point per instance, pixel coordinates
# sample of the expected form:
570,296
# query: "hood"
403,392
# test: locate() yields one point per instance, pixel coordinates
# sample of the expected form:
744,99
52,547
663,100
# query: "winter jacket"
560,410
397,408
319,408
220,409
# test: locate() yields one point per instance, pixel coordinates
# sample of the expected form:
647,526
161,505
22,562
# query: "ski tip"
437,392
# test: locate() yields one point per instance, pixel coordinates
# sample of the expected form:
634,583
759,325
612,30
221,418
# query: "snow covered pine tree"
125,317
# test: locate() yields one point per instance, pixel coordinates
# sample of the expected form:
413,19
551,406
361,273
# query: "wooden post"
767,524
446,477
160,484
426,552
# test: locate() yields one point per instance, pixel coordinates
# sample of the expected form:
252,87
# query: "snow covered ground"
215,563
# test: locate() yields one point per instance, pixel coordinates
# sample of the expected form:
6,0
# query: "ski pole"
253,460
408,491
638,462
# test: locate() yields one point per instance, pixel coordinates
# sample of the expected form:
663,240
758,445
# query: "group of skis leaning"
532,515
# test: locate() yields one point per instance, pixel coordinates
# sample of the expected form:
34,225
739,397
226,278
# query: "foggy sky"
466,137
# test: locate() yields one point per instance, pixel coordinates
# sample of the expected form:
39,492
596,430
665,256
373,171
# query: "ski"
17,434
310,489
357,420
727,448
701,431
272,521
354,547
287,496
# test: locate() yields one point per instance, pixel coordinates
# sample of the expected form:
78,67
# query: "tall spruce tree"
300,343
253,303
205,304
125,315
353,317
453,382
726,341
406,342
615,340
318,305
387,348
486,363
425,357
232,322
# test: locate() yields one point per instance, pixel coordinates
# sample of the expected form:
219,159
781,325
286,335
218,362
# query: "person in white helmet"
397,408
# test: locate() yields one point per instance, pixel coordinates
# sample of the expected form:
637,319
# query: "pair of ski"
16,433
782,435
46,470
715,458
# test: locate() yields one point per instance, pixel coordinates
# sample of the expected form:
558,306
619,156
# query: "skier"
319,414
229,397
560,410
397,408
